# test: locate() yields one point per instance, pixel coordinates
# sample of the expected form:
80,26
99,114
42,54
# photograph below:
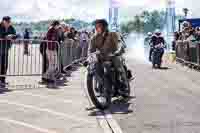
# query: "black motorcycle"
103,86
157,54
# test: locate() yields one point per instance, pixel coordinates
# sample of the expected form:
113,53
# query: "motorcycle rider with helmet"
146,44
107,43
156,39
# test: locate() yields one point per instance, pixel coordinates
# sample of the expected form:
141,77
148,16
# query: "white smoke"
136,50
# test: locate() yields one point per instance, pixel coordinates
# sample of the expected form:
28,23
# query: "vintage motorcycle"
103,86
157,54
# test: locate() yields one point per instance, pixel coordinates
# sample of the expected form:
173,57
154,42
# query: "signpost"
114,15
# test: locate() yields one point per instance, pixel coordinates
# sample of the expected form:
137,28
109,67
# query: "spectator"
176,37
67,52
188,33
62,31
72,33
197,33
52,54
7,33
43,48
26,41
84,38
67,29
61,34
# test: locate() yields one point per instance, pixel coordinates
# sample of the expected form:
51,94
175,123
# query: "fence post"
198,53
186,51
192,52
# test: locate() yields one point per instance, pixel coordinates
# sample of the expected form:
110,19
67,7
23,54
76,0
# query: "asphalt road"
32,108
167,101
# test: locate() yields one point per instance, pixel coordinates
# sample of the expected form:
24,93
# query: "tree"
145,16
124,28
145,22
138,24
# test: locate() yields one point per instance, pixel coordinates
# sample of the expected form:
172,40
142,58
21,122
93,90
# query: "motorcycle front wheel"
103,100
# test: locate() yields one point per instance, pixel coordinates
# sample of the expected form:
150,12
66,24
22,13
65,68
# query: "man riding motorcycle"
147,39
107,43
146,44
156,39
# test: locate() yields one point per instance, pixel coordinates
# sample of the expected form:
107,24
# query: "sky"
83,9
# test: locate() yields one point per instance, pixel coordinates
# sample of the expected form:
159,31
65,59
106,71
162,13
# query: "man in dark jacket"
7,33
108,43
43,48
72,33
26,41
51,51
156,39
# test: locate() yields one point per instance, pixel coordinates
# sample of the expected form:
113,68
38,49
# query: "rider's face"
99,28
6,23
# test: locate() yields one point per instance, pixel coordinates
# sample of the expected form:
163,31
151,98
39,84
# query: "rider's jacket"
106,43
155,40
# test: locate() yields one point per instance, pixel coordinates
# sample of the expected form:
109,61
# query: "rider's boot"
123,85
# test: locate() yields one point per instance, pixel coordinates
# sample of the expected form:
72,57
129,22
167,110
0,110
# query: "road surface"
167,101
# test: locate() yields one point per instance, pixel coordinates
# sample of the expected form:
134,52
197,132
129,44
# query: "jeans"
53,64
4,66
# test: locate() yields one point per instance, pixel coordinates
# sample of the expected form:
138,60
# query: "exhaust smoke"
136,49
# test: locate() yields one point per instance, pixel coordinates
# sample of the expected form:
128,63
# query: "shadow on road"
121,106
4,90
162,68
118,106
165,68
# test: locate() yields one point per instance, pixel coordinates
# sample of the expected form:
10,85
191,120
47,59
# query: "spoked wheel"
99,94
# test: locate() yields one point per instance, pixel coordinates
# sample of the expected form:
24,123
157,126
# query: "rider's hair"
6,18
55,23
103,22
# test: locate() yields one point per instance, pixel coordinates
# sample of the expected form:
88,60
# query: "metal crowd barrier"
188,52
15,60
72,50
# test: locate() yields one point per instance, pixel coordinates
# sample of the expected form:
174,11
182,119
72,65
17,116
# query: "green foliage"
145,22
42,26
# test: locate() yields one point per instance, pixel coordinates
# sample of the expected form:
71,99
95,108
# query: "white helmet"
149,33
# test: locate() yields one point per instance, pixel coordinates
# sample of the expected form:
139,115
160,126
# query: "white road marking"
104,125
99,115
105,119
27,125
46,110
112,122
47,97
